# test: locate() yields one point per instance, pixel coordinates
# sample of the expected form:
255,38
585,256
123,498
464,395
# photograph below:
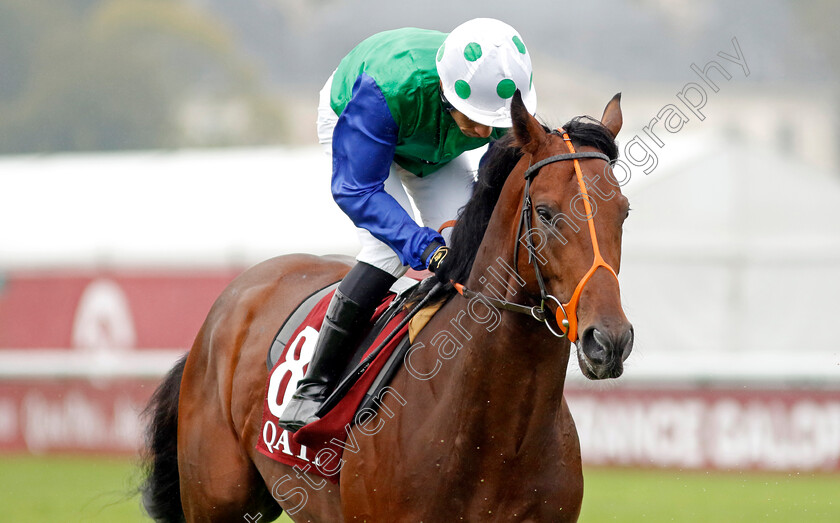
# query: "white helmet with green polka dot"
481,64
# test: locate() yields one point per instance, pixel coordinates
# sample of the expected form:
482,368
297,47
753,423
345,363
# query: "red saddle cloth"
317,448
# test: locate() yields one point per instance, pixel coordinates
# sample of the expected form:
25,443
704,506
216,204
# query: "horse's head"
570,235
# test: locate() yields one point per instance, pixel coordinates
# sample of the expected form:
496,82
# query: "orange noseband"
566,314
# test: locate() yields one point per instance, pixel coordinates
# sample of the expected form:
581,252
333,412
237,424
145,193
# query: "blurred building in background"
122,218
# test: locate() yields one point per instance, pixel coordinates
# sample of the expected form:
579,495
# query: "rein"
567,321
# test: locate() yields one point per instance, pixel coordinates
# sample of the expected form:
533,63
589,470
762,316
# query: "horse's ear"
612,119
529,133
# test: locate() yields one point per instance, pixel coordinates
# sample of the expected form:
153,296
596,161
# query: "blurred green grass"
668,495
71,489
78,488
101,489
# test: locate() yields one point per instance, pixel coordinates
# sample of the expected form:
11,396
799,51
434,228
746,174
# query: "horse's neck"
516,370
518,362
502,393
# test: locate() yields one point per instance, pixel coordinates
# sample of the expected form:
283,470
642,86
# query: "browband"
560,157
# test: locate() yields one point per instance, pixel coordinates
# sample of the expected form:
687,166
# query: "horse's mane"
495,166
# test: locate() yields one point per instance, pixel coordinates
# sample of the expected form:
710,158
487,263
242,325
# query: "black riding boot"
349,312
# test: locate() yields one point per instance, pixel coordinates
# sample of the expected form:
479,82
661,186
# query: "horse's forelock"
588,131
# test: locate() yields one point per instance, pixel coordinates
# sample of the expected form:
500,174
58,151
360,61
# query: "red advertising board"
80,354
136,310
651,427
59,415
82,351
709,428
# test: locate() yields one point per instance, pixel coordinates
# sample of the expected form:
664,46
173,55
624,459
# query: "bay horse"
482,430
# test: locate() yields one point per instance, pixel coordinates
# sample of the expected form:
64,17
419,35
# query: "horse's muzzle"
602,351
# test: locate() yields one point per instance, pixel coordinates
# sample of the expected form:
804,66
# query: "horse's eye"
544,214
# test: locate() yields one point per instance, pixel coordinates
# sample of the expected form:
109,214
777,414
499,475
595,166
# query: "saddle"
375,362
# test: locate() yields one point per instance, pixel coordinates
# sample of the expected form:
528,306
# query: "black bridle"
538,312
526,219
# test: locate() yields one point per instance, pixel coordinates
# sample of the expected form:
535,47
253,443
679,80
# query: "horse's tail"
161,490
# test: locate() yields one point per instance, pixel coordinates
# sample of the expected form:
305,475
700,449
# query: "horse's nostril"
595,345
603,339
627,343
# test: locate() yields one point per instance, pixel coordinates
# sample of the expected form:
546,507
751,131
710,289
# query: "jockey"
403,115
